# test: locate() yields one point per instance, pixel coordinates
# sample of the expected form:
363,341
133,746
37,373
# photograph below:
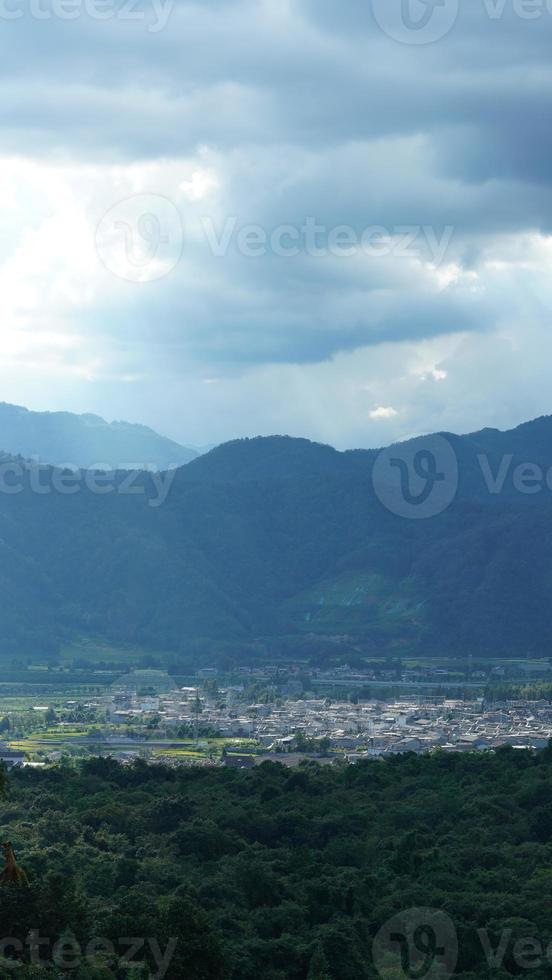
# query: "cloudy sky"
330,218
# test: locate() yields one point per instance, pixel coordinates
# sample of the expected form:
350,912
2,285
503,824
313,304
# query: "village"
208,722
341,728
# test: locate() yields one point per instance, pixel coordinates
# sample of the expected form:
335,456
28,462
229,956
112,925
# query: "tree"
12,873
319,968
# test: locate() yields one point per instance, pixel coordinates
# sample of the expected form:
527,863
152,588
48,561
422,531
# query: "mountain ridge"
282,544
61,438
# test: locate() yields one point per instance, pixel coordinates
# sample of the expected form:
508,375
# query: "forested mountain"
285,542
61,438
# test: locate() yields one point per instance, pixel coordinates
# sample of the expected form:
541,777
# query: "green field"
97,651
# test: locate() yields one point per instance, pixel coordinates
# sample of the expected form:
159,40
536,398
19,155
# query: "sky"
321,218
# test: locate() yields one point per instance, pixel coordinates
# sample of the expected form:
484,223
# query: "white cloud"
382,413
199,184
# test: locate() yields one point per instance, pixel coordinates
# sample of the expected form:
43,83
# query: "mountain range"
278,544
61,438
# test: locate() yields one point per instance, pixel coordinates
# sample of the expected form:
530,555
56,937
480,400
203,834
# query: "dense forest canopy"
277,873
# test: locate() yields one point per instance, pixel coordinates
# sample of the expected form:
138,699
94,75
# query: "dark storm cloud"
313,73
301,109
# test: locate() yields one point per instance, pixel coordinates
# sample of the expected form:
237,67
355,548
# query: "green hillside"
277,538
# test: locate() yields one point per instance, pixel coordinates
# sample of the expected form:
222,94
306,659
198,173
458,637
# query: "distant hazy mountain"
61,438
284,544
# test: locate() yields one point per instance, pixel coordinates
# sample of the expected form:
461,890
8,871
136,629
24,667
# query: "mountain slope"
61,438
283,539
